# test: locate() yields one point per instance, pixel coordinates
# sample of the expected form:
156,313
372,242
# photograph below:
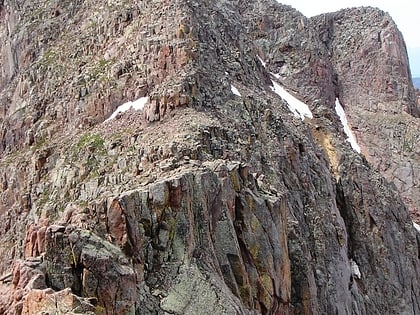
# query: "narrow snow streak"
262,61
340,112
276,75
416,226
136,105
235,90
298,108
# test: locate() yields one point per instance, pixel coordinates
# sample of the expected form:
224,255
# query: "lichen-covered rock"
206,201
91,267
209,296
62,302
26,292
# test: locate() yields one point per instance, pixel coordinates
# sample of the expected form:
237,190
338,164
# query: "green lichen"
235,181
100,309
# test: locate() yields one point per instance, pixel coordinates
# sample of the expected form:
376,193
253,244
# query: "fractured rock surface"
206,201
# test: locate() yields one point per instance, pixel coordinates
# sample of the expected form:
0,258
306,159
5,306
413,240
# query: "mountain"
232,187
385,125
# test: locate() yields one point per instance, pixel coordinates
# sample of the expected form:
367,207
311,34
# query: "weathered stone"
374,85
210,299
204,201
62,302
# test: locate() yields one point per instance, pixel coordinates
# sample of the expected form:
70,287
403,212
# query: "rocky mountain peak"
233,188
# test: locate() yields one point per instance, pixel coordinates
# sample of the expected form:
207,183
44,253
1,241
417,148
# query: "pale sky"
405,13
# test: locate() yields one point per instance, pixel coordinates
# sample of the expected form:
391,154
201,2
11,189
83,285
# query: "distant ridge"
416,82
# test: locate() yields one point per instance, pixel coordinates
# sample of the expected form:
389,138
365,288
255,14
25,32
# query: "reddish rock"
62,302
117,223
375,87
205,201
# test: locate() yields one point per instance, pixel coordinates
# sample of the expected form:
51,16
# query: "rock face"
377,93
214,199
358,56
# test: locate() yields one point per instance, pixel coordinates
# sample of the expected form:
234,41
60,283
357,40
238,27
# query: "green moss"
410,141
45,197
101,70
99,309
49,57
93,142
39,144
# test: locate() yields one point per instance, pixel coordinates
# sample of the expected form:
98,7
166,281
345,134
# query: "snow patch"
416,226
355,271
276,75
351,138
235,90
136,105
298,108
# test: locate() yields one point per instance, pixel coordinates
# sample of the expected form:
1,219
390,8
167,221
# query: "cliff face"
215,198
386,124
358,56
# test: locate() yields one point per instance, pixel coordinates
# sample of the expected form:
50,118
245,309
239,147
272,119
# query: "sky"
405,13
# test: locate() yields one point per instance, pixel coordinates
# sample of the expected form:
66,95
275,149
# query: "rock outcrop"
375,86
356,55
214,199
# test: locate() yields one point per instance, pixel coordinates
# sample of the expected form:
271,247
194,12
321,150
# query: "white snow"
276,75
235,90
416,226
298,108
340,112
355,269
262,61
136,105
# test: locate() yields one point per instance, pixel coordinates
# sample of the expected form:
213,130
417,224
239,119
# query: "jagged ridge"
207,202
